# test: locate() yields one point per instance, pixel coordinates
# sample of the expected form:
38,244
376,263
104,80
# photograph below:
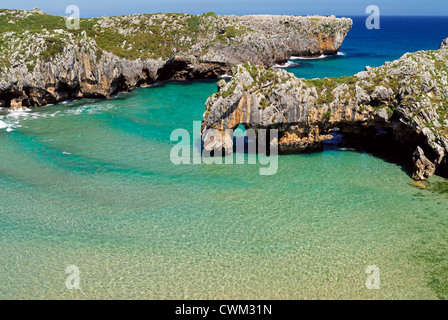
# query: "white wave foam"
11,120
309,58
288,64
18,113
316,58
3,125
89,109
77,111
8,126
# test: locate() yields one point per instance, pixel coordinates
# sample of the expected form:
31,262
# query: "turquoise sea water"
90,183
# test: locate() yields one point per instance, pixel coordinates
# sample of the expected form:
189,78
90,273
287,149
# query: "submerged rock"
418,184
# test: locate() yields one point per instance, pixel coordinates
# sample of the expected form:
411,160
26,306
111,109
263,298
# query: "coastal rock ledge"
42,61
405,101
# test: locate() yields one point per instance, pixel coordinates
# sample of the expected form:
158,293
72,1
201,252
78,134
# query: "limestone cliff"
41,61
407,98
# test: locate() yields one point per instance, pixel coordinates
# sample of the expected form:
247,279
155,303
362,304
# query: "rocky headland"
404,102
42,61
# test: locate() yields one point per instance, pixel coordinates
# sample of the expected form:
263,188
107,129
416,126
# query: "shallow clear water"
91,184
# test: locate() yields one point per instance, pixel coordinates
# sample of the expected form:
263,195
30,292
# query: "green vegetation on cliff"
139,36
43,60
162,35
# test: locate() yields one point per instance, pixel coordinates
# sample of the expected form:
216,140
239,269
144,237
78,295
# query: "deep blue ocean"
364,47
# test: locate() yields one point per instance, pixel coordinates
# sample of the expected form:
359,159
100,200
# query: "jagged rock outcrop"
423,168
78,72
42,61
407,98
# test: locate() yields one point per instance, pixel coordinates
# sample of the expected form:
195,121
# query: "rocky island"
405,100
43,62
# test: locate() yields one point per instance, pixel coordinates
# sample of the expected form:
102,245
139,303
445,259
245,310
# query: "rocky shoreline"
405,101
42,62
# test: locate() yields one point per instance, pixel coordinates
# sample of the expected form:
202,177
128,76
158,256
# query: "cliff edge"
407,100
41,61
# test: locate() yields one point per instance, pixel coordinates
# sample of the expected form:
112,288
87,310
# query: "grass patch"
54,47
327,115
264,103
210,14
194,23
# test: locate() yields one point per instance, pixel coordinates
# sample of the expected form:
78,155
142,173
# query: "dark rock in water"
444,44
423,168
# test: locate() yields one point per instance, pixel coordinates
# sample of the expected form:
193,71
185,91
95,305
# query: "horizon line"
246,14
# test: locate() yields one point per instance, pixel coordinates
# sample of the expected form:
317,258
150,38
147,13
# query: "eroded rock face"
76,73
52,65
261,98
299,139
407,98
274,39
